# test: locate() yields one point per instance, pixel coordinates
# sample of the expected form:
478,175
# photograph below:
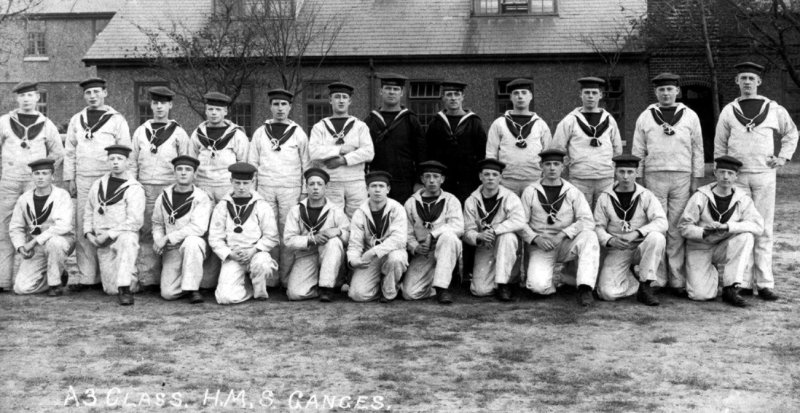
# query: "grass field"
476,355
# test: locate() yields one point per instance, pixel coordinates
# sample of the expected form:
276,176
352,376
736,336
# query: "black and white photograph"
399,205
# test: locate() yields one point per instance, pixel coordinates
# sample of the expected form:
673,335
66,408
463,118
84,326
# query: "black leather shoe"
125,296
324,294
730,295
443,296
645,295
767,294
585,295
55,291
503,292
195,297
746,292
77,287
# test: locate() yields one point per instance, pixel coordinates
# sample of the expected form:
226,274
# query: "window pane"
514,6
316,101
424,98
486,6
42,105
615,99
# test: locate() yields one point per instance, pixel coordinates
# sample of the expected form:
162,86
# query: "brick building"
49,45
483,42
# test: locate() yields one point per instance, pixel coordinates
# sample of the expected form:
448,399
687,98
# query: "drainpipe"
371,85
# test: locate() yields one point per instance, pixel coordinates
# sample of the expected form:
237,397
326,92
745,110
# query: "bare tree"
239,42
12,14
624,38
687,25
772,30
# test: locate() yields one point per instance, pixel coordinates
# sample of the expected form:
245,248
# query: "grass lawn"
476,355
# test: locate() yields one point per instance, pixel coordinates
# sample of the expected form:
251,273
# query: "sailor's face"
433,181
184,174
316,187
748,83
215,114
590,97
42,178
625,176
667,94
453,99
521,98
340,103
118,163
726,178
280,109
378,191
27,101
552,169
95,97
490,178
391,94
241,187
160,109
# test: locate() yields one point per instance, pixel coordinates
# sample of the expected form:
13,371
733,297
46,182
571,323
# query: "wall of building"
555,89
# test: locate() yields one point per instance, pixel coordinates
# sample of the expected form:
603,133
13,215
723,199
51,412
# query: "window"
241,111
255,8
503,96
317,104
142,99
615,99
513,7
424,98
36,45
42,105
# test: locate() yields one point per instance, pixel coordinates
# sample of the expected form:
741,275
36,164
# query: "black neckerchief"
109,199
218,144
385,129
486,217
312,225
453,135
378,232
278,142
721,217
430,211
37,219
752,123
625,214
339,136
157,137
551,207
240,214
520,131
25,133
593,132
176,212
658,117
89,131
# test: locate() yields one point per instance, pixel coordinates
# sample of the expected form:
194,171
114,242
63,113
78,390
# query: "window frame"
494,8
326,110
246,119
619,113
41,106
413,101
148,111
40,39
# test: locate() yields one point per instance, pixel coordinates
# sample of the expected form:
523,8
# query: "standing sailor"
155,144
25,136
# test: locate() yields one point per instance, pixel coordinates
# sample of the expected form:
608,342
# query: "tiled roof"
400,28
77,6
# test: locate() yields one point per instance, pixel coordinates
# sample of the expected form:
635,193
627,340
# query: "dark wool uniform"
399,146
459,149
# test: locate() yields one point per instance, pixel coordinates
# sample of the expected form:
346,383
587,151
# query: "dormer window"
513,7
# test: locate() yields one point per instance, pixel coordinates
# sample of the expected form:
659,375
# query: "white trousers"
761,189
347,195
702,278
433,270
616,279
672,189
380,276
591,188
182,267
148,264
43,270
584,248
10,191
85,253
212,265
315,268
281,200
236,287
118,263
494,265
